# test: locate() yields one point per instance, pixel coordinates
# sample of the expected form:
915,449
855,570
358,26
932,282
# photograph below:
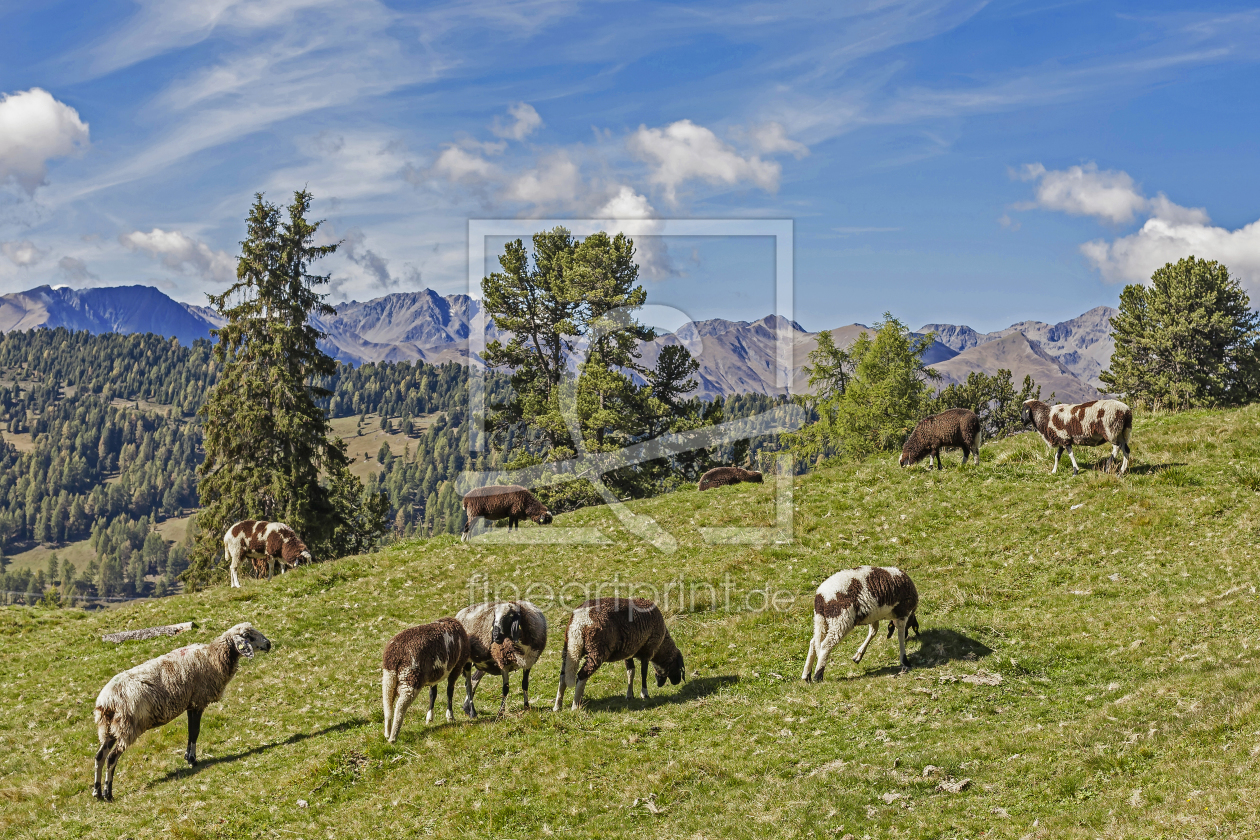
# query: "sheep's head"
507,624
1026,412
304,557
754,477
245,639
543,518
673,670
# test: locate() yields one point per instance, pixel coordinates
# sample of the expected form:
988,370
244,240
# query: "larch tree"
268,450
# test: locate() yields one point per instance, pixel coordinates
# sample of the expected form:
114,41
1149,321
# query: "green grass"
1124,632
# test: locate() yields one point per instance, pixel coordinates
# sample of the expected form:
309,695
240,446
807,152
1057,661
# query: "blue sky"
957,162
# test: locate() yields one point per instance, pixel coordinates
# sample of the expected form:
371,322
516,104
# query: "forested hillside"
103,442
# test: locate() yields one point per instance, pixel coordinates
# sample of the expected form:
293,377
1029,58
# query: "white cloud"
375,268
34,129
525,121
22,253
459,165
1085,191
684,151
771,137
555,181
1170,232
182,253
1134,258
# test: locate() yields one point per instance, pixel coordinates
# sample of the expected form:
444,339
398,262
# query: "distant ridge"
734,356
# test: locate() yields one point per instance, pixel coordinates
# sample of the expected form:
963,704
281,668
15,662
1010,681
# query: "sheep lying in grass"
155,693
958,428
424,656
511,502
612,629
505,636
722,476
866,595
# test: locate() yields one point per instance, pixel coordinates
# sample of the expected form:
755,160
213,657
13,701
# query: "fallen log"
148,632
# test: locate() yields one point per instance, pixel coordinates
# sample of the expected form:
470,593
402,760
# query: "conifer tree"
268,454
1188,339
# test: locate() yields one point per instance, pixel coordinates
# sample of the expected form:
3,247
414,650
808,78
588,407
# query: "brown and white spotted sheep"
613,629
505,636
722,476
1084,424
958,428
866,595
511,502
424,656
272,542
155,693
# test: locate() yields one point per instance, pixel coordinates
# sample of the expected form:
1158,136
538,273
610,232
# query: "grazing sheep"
511,502
424,656
162,689
866,595
1084,424
273,542
958,428
505,636
721,476
612,629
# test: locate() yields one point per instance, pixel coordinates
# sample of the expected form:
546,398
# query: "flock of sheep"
498,638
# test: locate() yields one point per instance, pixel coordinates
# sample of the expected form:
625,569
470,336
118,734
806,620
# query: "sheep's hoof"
905,669
191,758
818,676
109,794
96,792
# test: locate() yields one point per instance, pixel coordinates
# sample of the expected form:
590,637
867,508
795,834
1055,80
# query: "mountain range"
735,356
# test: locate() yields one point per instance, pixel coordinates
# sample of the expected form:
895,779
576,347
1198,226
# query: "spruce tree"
1188,339
268,454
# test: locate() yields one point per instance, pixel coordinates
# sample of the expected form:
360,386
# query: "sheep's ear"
243,646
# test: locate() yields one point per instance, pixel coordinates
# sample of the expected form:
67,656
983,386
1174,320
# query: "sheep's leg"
525,687
1075,468
643,669
194,729
630,678
469,708
506,687
807,674
584,674
901,643
450,696
111,763
406,696
1057,455
432,702
389,691
564,672
235,561
1124,465
871,630
101,754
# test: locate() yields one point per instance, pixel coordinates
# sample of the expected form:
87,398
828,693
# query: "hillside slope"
1121,631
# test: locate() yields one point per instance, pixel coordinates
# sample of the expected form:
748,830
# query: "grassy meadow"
1088,667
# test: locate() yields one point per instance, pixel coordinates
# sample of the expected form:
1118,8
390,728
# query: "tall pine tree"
1190,338
267,445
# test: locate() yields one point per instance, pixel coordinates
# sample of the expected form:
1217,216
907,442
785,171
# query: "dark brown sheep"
613,629
958,428
511,502
1084,424
424,656
721,476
